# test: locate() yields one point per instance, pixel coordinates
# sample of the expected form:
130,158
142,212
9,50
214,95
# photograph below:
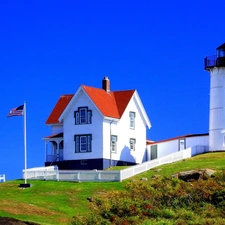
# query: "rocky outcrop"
194,175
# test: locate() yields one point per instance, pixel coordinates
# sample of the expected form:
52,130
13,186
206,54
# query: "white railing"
2,177
92,175
199,149
42,173
52,172
134,170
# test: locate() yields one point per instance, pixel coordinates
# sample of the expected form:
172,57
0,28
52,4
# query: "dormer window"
132,120
83,116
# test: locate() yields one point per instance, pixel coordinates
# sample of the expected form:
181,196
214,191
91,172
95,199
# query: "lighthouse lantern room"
216,66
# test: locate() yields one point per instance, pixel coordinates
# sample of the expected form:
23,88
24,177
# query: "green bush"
162,200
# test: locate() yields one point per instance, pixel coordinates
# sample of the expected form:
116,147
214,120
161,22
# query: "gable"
110,104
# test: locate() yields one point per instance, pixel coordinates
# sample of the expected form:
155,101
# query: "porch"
54,148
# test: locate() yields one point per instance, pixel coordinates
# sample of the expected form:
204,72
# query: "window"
113,143
83,143
132,144
83,116
132,120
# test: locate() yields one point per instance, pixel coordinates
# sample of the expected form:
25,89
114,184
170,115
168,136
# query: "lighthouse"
216,66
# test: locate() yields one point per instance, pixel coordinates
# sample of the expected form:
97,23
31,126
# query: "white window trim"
78,144
132,120
113,143
87,117
132,143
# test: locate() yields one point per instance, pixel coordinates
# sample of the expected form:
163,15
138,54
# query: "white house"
97,128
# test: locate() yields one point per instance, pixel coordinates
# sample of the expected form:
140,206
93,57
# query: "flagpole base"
25,185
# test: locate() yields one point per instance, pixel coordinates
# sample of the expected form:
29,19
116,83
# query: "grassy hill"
52,202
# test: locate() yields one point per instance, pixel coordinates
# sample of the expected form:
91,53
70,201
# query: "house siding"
124,133
56,129
171,146
70,129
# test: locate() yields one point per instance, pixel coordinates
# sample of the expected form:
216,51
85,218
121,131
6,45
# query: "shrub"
160,200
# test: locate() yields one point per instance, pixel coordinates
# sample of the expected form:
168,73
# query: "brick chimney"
106,84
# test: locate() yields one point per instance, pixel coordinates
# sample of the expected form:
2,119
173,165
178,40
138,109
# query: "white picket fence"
2,177
52,172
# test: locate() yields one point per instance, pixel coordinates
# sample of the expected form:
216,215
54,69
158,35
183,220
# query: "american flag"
16,111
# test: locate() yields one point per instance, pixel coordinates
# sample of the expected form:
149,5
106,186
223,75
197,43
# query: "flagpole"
25,141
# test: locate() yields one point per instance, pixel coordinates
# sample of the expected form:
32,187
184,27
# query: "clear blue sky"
50,48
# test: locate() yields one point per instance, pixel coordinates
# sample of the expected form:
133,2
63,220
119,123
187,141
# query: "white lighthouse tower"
216,66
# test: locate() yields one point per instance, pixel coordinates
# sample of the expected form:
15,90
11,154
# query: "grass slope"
52,202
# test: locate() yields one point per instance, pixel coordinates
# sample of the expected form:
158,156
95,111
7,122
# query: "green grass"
52,202
214,160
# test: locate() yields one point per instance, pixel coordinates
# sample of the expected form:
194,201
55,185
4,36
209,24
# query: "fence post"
57,175
99,176
78,176
2,177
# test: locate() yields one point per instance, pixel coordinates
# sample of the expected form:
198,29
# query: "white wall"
217,108
198,141
171,146
56,129
123,132
164,148
99,128
70,129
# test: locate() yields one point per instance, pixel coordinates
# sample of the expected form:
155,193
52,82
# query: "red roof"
176,138
58,109
110,104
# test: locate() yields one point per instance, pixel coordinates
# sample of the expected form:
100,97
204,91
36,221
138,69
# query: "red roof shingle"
110,104
58,109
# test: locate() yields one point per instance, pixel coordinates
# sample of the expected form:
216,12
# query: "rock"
209,172
194,175
157,170
144,178
175,175
90,199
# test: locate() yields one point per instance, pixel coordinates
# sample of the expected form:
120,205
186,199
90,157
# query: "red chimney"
106,84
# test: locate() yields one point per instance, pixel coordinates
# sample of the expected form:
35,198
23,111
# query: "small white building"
198,142
97,128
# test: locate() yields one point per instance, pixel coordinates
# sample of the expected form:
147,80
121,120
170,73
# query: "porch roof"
59,135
